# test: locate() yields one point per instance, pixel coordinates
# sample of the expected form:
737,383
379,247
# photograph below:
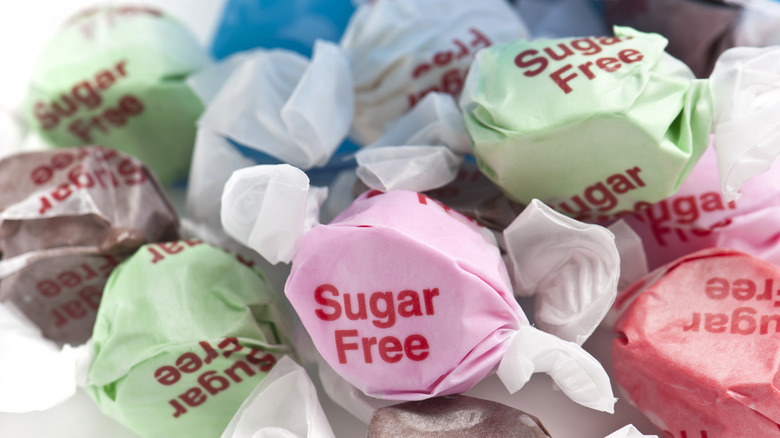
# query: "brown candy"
454,416
698,31
75,214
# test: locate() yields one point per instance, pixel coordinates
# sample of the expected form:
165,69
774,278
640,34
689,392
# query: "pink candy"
429,313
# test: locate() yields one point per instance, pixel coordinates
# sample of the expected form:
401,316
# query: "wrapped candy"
114,75
698,31
184,333
67,219
401,50
697,345
454,415
376,286
600,149
599,124
697,217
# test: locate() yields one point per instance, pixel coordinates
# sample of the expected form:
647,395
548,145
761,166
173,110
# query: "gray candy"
456,416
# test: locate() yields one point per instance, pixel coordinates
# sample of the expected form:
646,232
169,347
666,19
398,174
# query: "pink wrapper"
698,352
697,217
405,298
418,303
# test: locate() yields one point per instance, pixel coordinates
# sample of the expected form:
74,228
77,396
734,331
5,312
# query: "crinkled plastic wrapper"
184,333
698,346
114,75
401,50
586,124
67,219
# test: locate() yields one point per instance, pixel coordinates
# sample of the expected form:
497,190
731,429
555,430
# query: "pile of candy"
387,203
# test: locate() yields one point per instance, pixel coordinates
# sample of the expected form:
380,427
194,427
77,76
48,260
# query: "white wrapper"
759,23
401,49
213,161
283,405
269,207
745,86
282,104
578,374
571,267
35,374
420,151
629,431
11,132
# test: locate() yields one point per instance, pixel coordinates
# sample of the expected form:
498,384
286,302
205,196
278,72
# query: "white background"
25,26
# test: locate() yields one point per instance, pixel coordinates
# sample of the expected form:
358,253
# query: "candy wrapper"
697,346
67,219
376,286
697,217
284,405
629,432
421,150
758,23
286,126
114,75
454,415
292,25
184,333
399,51
698,31
599,124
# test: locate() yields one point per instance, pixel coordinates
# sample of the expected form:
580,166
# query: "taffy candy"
407,299
67,218
697,217
698,31
697,350
184,333
114,75
456,416
401,50
598,124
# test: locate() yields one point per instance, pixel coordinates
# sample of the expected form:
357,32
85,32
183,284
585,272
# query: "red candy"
700,343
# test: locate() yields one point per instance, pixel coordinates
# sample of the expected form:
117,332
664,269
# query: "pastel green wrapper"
157,54
154,310
536,141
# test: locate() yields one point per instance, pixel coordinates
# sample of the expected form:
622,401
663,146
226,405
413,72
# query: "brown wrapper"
68,218
698,31
454,416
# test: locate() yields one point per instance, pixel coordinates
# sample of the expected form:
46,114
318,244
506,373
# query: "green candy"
184,333
591,126
115,76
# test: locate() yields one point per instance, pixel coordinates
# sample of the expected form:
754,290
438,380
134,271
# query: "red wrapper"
698,346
